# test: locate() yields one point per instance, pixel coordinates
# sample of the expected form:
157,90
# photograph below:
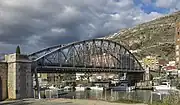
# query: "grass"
127,101
162,103
157,103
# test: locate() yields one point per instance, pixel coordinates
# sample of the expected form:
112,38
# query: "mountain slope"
154,38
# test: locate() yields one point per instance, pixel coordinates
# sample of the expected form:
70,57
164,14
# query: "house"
171,70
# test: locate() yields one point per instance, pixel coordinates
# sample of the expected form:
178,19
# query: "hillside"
152,38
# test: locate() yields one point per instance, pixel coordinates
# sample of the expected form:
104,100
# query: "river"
141,95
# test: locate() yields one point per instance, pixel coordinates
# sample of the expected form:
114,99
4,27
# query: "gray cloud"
171,4
34,24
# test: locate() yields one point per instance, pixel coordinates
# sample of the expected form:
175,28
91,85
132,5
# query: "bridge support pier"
19,76
134,77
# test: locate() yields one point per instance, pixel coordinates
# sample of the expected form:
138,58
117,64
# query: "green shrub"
172,99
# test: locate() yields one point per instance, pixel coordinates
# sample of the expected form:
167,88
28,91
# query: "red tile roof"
170,68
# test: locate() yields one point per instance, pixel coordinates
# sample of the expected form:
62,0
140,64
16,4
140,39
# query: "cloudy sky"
35,24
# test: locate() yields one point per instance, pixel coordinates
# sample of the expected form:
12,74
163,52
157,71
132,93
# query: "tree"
135,46
18,51
151,77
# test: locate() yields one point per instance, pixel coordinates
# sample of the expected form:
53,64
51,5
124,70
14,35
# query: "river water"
141,95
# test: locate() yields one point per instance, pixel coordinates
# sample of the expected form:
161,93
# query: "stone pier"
3,80
19,76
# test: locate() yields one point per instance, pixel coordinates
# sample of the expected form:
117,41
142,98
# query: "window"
178,33
177,47
177,53
177,59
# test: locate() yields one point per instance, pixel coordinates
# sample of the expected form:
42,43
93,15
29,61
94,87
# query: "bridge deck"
52,69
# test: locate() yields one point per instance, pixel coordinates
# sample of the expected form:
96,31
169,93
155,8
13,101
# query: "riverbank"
61,101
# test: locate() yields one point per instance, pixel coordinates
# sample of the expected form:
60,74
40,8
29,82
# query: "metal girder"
54,69
40,53
94,53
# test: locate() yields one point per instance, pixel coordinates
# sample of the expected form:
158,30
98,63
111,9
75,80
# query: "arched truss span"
89,54
42,52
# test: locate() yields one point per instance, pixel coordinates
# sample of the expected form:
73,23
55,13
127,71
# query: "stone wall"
11,80
24,79
3,80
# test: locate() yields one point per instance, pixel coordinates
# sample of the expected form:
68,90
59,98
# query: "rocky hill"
154,38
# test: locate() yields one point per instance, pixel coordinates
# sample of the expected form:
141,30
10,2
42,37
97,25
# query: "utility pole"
160,67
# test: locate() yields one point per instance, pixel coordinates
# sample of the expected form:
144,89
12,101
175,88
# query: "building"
172,70
163,62
42,78
60,79
177,42
171,63
150,62
79,76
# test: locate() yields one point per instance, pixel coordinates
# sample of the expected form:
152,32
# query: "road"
61,102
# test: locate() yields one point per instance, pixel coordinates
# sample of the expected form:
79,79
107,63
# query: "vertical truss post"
95,54
129,61
73,56
59,61
84,55
115,51
120,55
102,52
126,59
108,55
37,83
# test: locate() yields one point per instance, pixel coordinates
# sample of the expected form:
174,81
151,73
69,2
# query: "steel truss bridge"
95,55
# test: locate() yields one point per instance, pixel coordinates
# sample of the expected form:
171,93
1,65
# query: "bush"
172,99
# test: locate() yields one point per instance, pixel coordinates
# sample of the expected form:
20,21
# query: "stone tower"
177,42
19,76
